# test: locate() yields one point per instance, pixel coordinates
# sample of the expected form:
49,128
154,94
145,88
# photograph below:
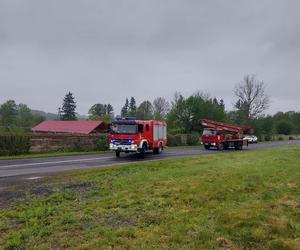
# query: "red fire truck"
223,136
138,136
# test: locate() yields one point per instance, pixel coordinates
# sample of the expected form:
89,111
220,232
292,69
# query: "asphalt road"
34,168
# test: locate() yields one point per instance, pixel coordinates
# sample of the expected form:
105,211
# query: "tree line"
182,113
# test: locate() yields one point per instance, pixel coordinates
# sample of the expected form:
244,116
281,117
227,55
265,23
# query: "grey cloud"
104,51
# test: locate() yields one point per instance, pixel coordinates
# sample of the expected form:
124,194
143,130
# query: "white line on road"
55,162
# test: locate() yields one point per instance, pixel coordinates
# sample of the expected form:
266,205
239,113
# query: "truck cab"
137,136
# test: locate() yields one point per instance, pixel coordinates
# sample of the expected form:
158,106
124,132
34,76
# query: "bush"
291,138
13,144
268,137
284,127
280,138
102,143
193,139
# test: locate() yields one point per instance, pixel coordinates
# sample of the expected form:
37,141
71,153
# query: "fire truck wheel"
238,146
158,150
143,151
207,147
221,147
118,153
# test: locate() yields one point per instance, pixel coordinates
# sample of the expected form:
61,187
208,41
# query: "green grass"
50,154
238,200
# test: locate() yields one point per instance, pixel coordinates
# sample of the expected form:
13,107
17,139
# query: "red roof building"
71,127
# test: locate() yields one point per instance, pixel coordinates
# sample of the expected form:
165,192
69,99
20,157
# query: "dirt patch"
17,190
225,244
289,201
86,186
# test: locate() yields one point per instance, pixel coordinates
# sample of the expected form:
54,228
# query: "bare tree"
161,107
252,100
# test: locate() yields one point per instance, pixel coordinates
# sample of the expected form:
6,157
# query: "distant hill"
48,116
52,116
82,117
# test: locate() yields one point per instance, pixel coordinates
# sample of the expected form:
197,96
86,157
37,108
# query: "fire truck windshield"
209,132
130,129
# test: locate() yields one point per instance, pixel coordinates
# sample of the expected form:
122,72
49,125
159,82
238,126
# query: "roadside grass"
50,154
238,200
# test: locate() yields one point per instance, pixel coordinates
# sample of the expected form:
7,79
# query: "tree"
284,127
109,110
124,111
186,113
8,113
98,109
102,112
161,108
132,106
145,111
68,110
25,118
252,100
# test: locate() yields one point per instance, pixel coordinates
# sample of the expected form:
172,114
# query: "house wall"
45,142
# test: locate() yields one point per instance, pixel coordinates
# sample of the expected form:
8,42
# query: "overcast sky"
103,51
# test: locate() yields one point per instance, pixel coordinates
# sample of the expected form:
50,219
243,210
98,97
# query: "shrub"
13,144
291,138
267,137
284,127
102,143
280,138
193,139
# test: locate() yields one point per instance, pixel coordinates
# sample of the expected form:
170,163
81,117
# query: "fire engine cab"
137,136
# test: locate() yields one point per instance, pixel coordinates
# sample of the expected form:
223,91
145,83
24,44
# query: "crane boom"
226,127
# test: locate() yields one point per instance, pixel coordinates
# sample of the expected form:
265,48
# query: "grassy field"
238,200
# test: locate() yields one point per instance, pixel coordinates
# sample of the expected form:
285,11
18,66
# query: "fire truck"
137,136
223,136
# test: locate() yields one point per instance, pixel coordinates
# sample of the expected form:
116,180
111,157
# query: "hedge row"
14,144
184,139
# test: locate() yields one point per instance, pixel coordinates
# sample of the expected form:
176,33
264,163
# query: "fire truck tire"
143,151
158,150
238,146
118,153
221,147
207,147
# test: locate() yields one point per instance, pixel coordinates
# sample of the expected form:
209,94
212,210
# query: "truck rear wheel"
207,147
158,150
118,153
238,146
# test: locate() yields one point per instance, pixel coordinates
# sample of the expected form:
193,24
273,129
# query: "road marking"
33,178
55,162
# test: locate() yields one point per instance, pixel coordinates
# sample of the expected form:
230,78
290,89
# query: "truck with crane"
223,136
137,136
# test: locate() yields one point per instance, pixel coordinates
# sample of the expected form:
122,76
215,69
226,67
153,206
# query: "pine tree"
124,110
132,106
222,104
109,109
68,110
